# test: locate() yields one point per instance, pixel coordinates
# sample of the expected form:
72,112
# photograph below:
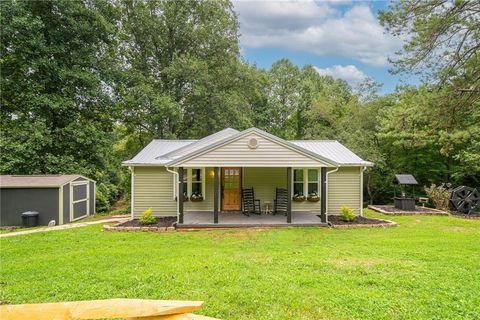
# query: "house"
62,198
214,170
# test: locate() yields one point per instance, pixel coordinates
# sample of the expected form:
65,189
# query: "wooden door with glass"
231,189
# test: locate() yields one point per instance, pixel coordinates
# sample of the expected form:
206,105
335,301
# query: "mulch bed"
161,224
391,210
359,222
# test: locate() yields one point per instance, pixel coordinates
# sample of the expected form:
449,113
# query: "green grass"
427,268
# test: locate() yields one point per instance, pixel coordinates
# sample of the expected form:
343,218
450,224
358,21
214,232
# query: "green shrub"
147,217
347,214
102,198
439,195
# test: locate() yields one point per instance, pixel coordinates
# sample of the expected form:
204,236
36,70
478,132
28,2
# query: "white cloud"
315,27
350,73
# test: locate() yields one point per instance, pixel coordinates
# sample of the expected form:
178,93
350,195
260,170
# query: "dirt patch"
357,262
335,220
160,222
391,210
461,229
9,228
456,214
242,234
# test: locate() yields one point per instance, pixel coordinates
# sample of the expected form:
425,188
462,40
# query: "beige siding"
153,188
265,180
344,189
267,154
207,203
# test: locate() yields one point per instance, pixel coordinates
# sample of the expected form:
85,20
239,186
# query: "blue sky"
340,38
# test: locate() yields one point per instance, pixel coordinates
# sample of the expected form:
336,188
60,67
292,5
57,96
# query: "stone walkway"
63,227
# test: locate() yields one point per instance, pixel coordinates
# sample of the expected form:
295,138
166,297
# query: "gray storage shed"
63,198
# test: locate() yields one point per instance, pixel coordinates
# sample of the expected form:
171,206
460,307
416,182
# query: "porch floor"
238,220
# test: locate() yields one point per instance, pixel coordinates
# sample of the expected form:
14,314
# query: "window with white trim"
197,182
193,182
185,183
298,181
306,182
312,183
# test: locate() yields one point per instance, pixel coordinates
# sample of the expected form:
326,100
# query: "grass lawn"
427,268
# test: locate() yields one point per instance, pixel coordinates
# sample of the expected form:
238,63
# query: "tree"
55,103
282,98
439,120
441,38
182,76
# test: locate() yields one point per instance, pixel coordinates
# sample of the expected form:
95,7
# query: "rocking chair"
281,201
250,205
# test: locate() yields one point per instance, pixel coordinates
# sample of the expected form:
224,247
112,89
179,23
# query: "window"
185,183
306,182
298,182
231,178
197,181
312,186
193,182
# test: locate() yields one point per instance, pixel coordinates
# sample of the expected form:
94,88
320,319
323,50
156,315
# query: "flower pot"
298,199
313,199
196,199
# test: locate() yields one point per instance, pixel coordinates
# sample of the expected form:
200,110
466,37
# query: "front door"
231,188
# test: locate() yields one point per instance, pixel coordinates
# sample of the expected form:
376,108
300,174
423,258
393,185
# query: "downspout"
326,191
132,191
361,190
175,186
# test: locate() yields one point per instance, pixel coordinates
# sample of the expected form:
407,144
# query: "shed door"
79,195
231,185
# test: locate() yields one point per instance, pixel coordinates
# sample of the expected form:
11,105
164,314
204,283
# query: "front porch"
222,202
204,219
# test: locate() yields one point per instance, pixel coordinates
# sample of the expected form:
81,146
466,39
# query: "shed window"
298,181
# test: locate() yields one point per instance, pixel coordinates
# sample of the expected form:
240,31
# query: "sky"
341,38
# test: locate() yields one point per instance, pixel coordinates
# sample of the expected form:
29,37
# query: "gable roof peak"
229,138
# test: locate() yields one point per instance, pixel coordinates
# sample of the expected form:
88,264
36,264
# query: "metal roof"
153,153
404,179
36,181
334,150
199,144
164,152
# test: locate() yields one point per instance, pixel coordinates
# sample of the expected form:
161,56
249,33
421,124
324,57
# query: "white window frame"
306,181
188,173
293,180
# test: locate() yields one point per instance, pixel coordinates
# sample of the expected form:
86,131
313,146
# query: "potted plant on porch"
196,197
298,197
313,197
